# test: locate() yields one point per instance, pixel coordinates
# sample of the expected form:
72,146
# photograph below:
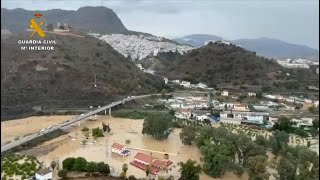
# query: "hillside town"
140,47
297,63
264,113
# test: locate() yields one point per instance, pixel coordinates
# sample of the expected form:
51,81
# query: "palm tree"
125,168
53,164
148,170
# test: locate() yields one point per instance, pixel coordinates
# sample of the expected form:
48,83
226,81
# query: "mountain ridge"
264,46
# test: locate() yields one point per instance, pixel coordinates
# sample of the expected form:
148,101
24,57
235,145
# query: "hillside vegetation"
222,65
65,77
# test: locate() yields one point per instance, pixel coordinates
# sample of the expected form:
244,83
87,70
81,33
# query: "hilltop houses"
120,149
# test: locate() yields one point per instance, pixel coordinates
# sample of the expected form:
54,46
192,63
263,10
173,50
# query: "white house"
44,174
120,149
303,122
252,94
201,85
183,114
240,107
176,105
176,81
225,93
185,83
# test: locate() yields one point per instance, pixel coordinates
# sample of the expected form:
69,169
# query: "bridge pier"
95,116
109,111
105,112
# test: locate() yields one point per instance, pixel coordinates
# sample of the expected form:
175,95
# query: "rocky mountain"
86,19
267,47
222,64
65,77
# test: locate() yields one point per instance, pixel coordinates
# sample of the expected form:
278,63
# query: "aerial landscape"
160,90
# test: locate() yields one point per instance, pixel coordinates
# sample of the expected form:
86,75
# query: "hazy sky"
295,21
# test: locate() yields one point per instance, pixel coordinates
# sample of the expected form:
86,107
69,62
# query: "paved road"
75,119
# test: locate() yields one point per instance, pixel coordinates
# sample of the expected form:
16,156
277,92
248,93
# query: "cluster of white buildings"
292,99
140,47
297,63
187,84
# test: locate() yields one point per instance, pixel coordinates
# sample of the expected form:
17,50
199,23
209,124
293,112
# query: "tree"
286,169
53,164
158,125
301,132
312,109
188,135
68,163
91,167
216,158
163,93
205,134
172,112
103,168
125,168
148,170
260,140
258,168
315,123
190,170
123,176
80,164
279,141
97,132
63,173
284,124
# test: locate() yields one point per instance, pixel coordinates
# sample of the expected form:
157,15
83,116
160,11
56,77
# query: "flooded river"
121,130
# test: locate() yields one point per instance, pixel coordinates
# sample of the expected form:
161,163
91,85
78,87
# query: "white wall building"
225,93
303,122
44,174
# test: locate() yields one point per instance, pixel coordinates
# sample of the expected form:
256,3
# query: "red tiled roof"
117,146
158,163
144,157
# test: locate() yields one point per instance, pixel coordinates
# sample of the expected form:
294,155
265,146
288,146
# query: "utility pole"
95,80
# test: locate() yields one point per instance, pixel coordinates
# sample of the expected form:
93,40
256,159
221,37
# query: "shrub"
68,163
85,129
63,173
128,141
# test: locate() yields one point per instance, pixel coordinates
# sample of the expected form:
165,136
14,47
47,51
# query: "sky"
294,21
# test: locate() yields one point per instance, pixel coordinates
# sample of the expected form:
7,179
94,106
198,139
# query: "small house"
44,174
225,93
252,94
120,149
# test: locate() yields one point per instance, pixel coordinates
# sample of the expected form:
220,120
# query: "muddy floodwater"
121,130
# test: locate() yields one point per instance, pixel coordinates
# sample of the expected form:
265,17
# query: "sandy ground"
122,129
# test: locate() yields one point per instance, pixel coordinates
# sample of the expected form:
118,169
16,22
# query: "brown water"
123,129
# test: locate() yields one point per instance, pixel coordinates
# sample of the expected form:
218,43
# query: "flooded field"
121,129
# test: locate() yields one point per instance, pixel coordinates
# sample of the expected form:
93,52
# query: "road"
73,120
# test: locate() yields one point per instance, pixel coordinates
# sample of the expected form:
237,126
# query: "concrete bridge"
73,120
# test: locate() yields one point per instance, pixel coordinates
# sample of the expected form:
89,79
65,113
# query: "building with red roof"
120,149
141,160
